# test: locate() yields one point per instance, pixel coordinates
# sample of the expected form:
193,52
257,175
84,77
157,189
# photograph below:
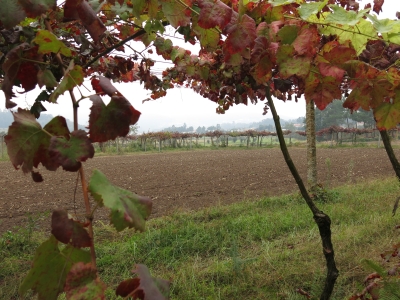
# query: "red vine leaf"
127,208
69,153
104,86
81,10
307,41
144,287
36,176
108,122
83,283
321,89
50,267
214,13
15,67
369,89
35,8
73,76
378,6
240,35
68,231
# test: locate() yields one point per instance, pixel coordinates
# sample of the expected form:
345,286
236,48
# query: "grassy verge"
263,249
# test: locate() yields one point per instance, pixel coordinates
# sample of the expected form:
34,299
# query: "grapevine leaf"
73,77
15,67
108,122
104,86
284,2
321,89
387,115
27,143
69,153
378,6
24,140
359,41
144,286
83,283
127,208
49,43
290,64
307,41
345,17
288,34
214,13
69,231
50,267
306,10
81,10
209,38
36,176
262,71
390,29
138,6
47,79
11,13
241,35
35,8
37,108
175,13
370,89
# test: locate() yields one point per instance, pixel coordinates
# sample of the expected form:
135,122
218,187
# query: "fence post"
2,145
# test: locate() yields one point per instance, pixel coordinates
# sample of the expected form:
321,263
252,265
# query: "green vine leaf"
73,77
387,115
83,283
127,208
291,64
358,36
47,79
50,268
49,43
344,17
306,10
69,153
11,13
176,13
144,286
68,231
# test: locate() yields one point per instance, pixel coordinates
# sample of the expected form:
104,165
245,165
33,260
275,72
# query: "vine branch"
323,221
119,44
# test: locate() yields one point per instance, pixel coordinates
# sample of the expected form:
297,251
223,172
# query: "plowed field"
181,181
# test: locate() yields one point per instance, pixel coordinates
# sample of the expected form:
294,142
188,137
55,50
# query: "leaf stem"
81,171
333,26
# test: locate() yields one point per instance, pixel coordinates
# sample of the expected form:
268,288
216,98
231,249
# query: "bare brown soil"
181,181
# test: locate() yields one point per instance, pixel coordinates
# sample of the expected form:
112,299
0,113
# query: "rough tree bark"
321,219
389,150
311,146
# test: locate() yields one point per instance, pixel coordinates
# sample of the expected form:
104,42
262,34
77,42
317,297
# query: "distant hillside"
6,119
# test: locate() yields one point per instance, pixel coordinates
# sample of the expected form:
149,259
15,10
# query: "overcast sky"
180,105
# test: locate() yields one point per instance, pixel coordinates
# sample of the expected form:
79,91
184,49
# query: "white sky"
180,105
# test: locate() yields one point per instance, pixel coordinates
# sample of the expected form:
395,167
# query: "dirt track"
182,181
